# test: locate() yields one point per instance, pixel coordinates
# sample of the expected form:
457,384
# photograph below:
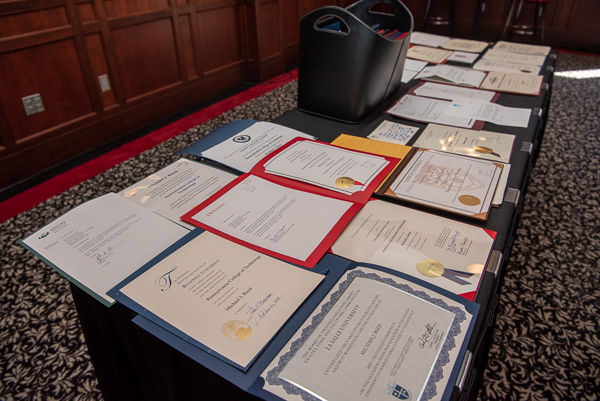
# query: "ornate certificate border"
430,390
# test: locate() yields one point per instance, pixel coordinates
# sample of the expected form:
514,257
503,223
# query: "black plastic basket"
347,66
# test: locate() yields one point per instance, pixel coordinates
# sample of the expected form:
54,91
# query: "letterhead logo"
164,281
241,138
44,235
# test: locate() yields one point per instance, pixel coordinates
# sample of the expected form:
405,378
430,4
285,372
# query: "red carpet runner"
54,186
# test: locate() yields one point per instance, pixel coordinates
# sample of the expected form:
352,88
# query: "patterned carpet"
546,344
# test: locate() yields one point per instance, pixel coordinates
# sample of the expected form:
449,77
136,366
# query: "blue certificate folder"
216,137
248,378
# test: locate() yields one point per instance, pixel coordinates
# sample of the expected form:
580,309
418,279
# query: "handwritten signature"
426,336
252,309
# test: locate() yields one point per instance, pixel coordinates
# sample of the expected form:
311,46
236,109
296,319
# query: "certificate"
503,66
451,92
243,150
326,166
510,57
522,48
443,252
428,110
221,296
429,54
472,46
523,84
176,189
450,182
99,243
481,144
295,225
376,336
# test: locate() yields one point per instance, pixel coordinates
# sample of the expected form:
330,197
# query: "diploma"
376,336
220,296
440,251
455,183
510,57
243,150
524,84
472,46
522,48
177,188
99,243
326,166
429,54
502,66
428,110
272,218
480,144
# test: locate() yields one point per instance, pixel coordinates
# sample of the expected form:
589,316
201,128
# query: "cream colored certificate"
226,297
330,167
441,251
524,84
502,66
522,48
518,58
374,337
177,189
451,182
472,46
429,54
101,242
481,144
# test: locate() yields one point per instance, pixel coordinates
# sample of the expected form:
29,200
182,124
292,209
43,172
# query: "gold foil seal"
344,182
484,150
237,330
469,200
430,268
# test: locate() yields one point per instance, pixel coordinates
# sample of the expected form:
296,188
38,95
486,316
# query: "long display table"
132,364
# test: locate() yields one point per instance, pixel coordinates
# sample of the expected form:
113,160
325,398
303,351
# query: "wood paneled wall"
106,67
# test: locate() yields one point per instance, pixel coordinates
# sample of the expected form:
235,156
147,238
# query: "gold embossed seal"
237,330
484,149
430,268
344,182
469,200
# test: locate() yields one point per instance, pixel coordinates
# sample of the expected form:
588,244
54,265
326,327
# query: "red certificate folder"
257,175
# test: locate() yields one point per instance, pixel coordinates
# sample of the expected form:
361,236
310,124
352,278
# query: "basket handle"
313,18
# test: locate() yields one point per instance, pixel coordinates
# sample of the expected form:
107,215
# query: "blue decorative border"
436,375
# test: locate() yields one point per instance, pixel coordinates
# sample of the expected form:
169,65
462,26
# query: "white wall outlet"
33,104
104,84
